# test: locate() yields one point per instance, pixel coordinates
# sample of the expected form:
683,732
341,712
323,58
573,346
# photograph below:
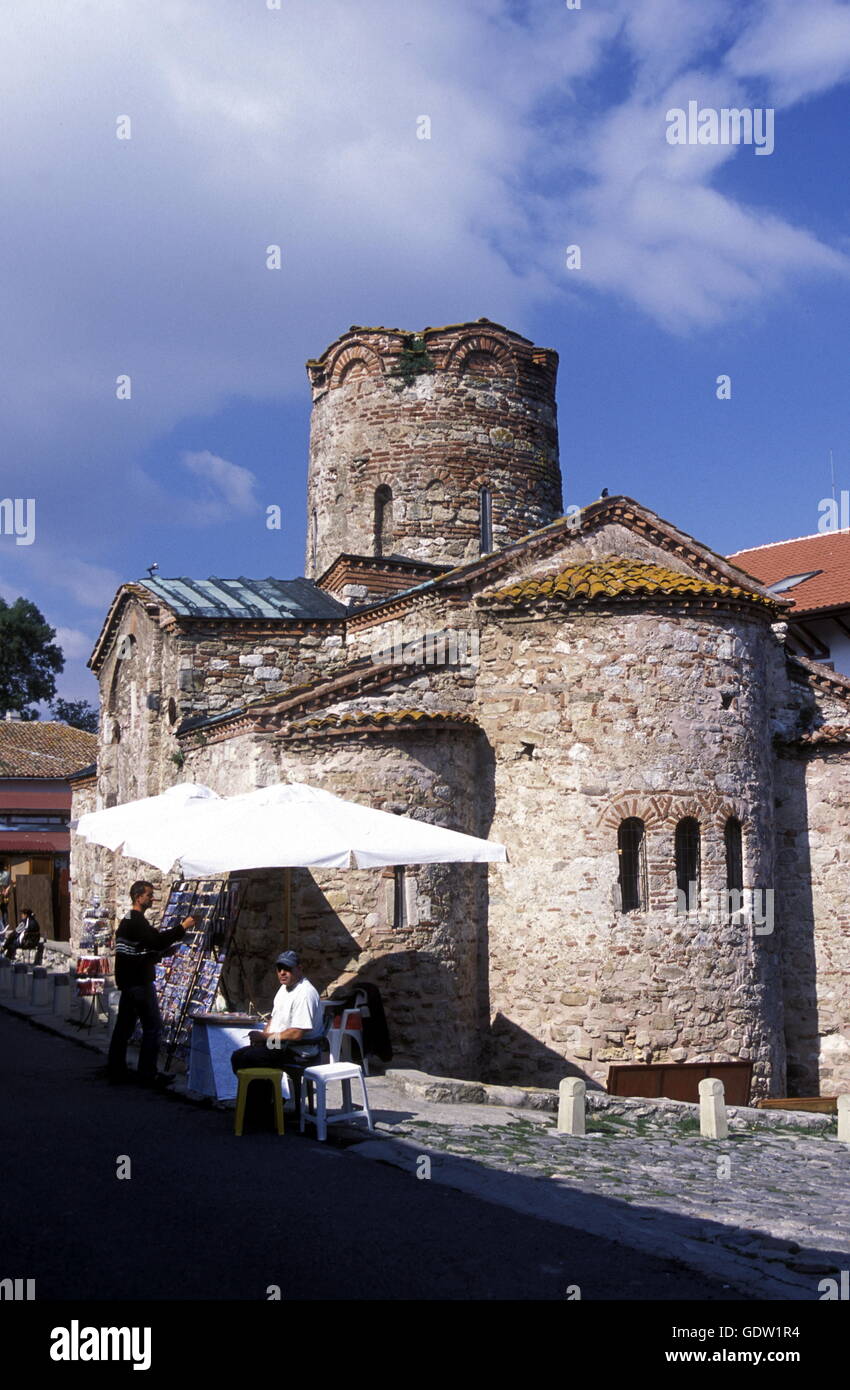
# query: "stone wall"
222,666
813,831
431,971
153,677
481,412
595,717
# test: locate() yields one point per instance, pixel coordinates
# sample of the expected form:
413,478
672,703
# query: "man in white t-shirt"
292,1033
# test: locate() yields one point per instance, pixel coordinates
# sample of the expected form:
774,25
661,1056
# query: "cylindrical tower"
437,446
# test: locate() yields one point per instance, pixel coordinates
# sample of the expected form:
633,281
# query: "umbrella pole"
287,906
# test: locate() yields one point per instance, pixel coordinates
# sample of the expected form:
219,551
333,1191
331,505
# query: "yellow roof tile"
613,576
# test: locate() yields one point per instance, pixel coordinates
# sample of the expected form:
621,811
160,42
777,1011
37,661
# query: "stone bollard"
844,1119
5,975
571,1104
61,994
21,985
42,989
712,1109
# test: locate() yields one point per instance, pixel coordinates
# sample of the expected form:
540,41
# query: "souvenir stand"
95,963
187,979
187,983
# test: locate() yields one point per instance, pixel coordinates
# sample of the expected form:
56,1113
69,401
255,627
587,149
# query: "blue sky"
252,126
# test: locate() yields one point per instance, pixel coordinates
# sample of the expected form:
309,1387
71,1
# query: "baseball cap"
290,959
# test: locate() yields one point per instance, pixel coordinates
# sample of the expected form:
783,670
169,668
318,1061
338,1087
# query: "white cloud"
297,127
664,35
221,491
657,233
229,489
76,645
800,47
47,568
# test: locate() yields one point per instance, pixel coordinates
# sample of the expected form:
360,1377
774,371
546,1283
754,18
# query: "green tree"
29,659
78,713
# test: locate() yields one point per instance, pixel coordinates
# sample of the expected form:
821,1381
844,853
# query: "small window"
399,899
733,839
631,848
485,519
383,520
172,711
687,864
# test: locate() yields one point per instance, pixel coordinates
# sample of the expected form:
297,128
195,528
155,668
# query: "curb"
448,1091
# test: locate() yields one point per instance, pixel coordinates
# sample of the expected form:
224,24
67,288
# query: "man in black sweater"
138,947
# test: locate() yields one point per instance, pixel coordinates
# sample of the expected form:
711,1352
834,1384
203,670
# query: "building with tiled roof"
814,573
36,761
630,713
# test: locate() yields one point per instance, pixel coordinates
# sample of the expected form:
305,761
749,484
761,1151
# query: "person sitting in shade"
293,1033
26,937
5,894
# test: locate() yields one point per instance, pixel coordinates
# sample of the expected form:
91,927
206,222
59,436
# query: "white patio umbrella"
291,824
146,829
287,825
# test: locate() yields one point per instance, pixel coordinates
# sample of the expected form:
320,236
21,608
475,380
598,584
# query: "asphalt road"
205,1215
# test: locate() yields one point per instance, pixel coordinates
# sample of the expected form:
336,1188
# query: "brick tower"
437,446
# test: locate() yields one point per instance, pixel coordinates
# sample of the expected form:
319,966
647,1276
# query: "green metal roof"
245,598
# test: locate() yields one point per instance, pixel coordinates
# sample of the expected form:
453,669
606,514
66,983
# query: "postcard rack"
187,979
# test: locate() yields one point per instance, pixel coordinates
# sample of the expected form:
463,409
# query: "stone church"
596,690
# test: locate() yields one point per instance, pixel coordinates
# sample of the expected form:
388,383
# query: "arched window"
733,839
687,864
485,519
631,848
124,654
383,520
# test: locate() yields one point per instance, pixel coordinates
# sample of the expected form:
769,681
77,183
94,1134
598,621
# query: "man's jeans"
137,1002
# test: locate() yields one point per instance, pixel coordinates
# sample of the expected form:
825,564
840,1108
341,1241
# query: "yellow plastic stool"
249,1074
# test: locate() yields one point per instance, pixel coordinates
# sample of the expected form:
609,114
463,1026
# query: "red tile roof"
33,748
828,552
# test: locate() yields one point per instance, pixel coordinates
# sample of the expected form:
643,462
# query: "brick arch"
356,360
482,354
652,810
701,806
668,808
731,808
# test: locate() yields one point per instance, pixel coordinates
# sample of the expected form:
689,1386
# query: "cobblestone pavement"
768,1209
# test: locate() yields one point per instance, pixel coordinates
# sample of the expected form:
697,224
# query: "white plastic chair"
321,1077
351,1028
